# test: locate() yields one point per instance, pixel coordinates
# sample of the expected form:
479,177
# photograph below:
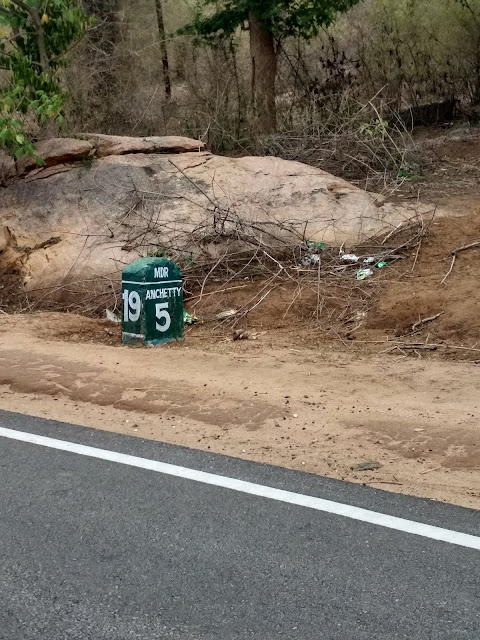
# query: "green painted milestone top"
152,270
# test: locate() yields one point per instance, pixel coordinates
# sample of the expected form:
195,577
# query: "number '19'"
132,306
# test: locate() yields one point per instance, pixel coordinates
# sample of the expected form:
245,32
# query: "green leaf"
25,87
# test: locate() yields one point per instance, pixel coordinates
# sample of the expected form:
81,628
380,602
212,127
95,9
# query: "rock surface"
4,238
56,151
7,167
87,222
121,145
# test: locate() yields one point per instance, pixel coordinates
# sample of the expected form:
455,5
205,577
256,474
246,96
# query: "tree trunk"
104,41
40,32
264,70
163,49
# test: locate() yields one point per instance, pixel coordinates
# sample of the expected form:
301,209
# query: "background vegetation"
345,97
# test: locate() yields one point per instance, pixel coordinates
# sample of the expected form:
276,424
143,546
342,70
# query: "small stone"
241,334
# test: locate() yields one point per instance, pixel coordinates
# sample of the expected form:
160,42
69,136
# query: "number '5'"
162,314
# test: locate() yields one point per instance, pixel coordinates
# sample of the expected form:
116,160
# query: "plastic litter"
311,260
364,273
188,318
369,260
316,246
349,257
111,316
382,264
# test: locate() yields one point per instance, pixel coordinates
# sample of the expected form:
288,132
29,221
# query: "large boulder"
90,221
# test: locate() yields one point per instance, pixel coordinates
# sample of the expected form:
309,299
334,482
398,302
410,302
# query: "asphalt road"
94,549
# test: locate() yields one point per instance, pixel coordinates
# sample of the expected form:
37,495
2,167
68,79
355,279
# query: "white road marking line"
319,504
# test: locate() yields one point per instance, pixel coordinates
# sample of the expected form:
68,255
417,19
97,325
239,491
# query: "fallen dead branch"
471,245
467,246
417,253
426,346
420,323
454,257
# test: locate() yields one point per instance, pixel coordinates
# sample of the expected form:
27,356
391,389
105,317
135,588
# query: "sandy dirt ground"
322,410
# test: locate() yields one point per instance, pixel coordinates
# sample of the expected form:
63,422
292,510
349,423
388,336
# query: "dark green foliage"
34,37
282,17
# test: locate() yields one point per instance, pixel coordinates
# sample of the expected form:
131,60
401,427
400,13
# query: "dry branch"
422,473
454,257
420,323
467,246
426,346
471,245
